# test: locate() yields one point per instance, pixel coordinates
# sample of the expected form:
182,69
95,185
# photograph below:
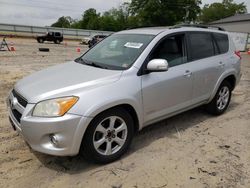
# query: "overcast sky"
46,12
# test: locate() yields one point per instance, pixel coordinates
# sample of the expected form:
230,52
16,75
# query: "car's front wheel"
108,136
221,100
57,41
40,40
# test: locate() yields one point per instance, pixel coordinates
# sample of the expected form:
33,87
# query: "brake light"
238,54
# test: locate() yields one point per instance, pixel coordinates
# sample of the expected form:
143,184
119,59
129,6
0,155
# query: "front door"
167,92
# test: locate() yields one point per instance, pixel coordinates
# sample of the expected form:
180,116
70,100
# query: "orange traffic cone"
12,48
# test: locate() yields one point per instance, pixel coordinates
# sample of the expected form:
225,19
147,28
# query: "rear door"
223,55
206,64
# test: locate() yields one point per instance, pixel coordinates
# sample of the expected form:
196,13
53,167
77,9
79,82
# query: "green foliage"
117,19
138,13
63,22
162,13
76,24
141,13
113,20
90,19
217,11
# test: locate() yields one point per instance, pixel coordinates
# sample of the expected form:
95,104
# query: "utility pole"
187,14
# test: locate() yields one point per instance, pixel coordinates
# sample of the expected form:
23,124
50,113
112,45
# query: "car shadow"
166,128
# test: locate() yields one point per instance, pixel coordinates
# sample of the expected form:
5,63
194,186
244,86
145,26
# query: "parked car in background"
132,79
95,39
86,40
55,37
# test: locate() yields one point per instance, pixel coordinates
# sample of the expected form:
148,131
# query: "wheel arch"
96,110
231,80
230,77
126,106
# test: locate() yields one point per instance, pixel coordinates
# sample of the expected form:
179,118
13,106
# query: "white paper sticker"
133,45
125,65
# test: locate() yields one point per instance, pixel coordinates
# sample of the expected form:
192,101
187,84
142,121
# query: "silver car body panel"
153,96
161,92
62,79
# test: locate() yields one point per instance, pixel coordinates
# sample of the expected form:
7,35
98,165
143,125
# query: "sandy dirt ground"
192,149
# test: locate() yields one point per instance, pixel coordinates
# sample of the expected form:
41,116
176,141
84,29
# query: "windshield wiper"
96,65
80,60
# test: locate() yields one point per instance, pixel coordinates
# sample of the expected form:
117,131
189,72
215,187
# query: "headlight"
54,107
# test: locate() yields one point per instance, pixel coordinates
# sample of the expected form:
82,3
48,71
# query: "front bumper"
68,131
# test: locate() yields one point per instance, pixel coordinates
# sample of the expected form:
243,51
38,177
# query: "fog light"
54,139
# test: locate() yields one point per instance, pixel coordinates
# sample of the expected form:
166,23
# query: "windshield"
116,52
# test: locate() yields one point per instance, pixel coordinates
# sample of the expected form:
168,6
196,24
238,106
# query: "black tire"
57,41
44,49
40,40
87,147
212,107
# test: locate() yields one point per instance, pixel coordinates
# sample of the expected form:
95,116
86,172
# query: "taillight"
238,54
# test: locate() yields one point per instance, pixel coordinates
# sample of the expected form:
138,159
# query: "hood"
64,80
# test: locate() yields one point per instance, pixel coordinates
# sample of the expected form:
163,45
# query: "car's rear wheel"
221,100
108,136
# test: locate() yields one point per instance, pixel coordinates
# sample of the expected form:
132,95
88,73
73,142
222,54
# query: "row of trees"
141,13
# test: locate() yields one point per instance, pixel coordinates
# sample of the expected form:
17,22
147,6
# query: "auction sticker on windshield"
133,45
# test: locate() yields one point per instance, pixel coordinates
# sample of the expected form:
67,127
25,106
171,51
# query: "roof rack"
198,26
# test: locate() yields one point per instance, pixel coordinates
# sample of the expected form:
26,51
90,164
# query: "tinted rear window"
201,45
222,42
57,34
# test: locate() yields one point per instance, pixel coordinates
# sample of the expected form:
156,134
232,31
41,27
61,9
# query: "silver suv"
131,79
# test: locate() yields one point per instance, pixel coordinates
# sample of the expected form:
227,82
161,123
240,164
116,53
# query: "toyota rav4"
131,79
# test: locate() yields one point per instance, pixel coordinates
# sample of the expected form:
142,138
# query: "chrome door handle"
187,73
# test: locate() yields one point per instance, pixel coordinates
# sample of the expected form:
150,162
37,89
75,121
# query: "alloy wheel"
110,135
223,98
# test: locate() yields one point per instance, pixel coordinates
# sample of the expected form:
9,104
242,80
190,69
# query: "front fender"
98,99
95,109
105,105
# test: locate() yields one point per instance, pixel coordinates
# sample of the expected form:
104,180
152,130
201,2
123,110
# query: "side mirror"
157,65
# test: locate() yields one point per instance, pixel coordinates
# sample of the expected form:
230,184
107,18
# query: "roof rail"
198,26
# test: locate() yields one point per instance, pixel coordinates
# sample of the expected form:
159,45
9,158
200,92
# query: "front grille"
21,100
17,115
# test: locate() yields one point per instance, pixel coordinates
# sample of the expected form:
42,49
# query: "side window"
172,49
222,42
201,45
57,34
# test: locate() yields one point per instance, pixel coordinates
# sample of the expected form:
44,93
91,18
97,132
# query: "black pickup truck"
55,37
